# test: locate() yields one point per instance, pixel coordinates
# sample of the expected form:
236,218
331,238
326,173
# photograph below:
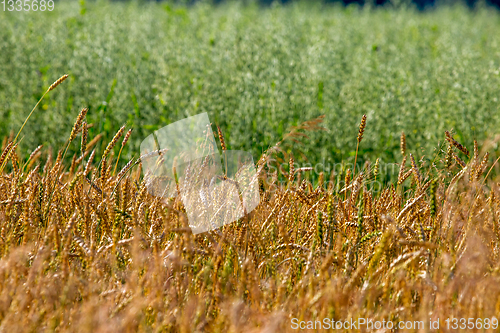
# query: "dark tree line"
420,4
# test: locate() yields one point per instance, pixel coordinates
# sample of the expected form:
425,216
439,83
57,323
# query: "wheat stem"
52,87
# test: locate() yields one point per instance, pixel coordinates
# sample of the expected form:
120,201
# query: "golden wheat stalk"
85,134
93,142
473,163
77,124
376,169
6,152
73,164
14,158
57,82
456,143
221,139
113,142
449,156
35,154
124,142
80,159
103,164
459,160
362,126
415,170
405,176
347,182
60,156
403,143
291,169
402,171
52,87
482,166
123,171
89,163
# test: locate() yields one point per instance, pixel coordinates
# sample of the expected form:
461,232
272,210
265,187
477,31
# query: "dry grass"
99,254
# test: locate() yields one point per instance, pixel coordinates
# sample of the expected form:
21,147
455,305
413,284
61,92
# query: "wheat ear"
124,142
52,87
456,143
74,130
403,143
362,126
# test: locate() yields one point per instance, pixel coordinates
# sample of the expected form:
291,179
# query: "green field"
256,71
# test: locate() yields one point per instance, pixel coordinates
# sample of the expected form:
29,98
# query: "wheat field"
85,248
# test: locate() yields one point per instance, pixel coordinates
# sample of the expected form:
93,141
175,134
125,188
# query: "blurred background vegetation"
257,70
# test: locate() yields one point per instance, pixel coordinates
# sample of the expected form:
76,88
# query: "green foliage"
256,71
